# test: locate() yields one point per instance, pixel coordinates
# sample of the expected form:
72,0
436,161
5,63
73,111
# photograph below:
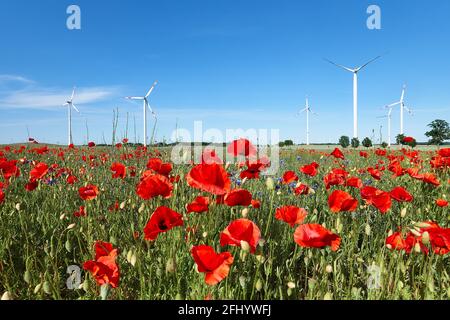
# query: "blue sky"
231,64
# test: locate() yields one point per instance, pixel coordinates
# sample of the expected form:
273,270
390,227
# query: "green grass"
36,247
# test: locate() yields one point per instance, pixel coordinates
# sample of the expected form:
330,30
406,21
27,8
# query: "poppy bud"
242,281
258,285
403,213
425,238
129,254
6,296
46,287
422,225
68,246
260,258
415,232
27,276
141,208
104,290
133,259
71,226
122,205
328,296
170,265
37,288
417,248
278,192
244,212
291,285
204,234
329,269
61,217
270,184
367,229
18,206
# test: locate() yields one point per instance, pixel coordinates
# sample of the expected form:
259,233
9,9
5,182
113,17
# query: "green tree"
367,142
344,141
355,142
288,143
440,131
399,138
384,145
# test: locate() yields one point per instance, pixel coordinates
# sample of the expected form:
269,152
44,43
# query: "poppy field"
125,222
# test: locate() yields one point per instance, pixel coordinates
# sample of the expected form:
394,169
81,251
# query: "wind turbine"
389,117
70,105
402,107
355,90
307,109
146,105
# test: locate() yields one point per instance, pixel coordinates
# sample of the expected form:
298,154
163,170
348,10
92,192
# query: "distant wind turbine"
355,90
307,109
389,117
402,105
70,105
146,105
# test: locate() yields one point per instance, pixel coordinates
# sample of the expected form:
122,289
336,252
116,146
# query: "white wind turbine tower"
355,91
307,109
146,105
402,105
70,105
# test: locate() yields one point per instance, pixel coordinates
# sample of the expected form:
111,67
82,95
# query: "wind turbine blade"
393,104
150,108
151,89
402,97
408,109
382,117
134,98
340,66
73,94
65,104
75,108
365,65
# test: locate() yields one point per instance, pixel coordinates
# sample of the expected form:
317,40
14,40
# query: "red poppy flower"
209,156
441,202
256,204
396,241
335,177
439,239
124,140
153,185
159,166
337,154
200,204
444,152
354,182
8,168
89,192
241,147
378,198
253,170
39,171
380,152
31,185
71,179
238,197
2,196
241,230
430,179
363,154
289,177
91,144
310,169
401,195
80,213
104,268
291,215
408,139
316,236
340,201
211,178
162,220
302,189
375,173
216,266
119,170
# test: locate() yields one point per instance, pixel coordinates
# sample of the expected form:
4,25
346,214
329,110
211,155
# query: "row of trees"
439,133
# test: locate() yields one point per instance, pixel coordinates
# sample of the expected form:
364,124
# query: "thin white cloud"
5,78
48,98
